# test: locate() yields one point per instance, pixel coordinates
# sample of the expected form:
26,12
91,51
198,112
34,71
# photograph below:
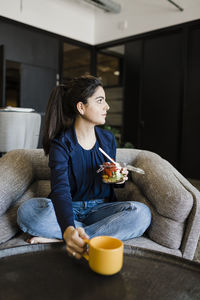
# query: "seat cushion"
41,188
168,199
40,163
146,243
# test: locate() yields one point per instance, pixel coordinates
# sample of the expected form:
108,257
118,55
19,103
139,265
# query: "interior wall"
69,18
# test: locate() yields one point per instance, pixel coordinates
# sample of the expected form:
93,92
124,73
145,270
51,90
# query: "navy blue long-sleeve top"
73,172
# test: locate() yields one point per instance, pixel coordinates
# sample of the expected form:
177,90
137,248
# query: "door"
36,85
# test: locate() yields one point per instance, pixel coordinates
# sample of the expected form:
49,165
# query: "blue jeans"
123,220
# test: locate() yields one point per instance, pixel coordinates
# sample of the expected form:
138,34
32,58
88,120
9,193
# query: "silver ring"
74,253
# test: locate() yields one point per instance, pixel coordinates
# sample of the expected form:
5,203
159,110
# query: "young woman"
80,205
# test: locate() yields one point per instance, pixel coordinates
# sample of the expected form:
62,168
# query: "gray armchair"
174,202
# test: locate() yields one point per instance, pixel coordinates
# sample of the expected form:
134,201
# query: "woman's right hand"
74,241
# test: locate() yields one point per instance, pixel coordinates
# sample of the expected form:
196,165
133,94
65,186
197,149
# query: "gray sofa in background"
174,202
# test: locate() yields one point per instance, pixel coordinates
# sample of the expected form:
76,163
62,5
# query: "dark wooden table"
46,272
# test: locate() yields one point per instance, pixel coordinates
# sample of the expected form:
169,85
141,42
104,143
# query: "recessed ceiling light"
116,73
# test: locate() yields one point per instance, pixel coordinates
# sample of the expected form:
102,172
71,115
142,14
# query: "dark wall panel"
161,95
190,158
29,46
2,76
132,84
36,85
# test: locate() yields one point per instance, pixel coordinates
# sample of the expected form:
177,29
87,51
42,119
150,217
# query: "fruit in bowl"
112,173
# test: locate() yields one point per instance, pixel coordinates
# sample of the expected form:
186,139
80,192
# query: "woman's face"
95,110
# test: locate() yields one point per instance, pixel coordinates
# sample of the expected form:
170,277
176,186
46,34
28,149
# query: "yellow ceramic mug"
105,254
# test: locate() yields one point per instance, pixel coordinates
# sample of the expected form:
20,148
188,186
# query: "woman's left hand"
125,176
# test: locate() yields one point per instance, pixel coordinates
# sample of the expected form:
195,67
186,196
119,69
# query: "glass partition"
76,61
110,64
12,84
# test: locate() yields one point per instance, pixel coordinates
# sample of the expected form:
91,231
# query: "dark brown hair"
61,109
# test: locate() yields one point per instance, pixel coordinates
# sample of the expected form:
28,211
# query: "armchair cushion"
25,174
16,177
169,200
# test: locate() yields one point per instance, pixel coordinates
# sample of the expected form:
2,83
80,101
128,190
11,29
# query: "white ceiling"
138,16
79,20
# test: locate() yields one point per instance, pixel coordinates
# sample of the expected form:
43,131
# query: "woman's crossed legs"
123,220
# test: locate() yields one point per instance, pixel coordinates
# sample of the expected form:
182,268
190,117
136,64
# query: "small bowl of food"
112,173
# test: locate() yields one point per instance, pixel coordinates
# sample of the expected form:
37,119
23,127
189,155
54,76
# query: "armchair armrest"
192,230
174,202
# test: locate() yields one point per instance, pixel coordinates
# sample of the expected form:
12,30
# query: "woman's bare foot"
42,240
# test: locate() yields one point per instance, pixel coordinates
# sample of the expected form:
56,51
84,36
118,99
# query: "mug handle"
85,255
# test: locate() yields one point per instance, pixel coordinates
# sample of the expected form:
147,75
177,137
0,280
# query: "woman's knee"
30,208
145,214
24,210
37,217
141,209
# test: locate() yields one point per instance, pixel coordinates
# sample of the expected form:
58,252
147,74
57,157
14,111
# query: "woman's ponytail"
62,106
54,118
